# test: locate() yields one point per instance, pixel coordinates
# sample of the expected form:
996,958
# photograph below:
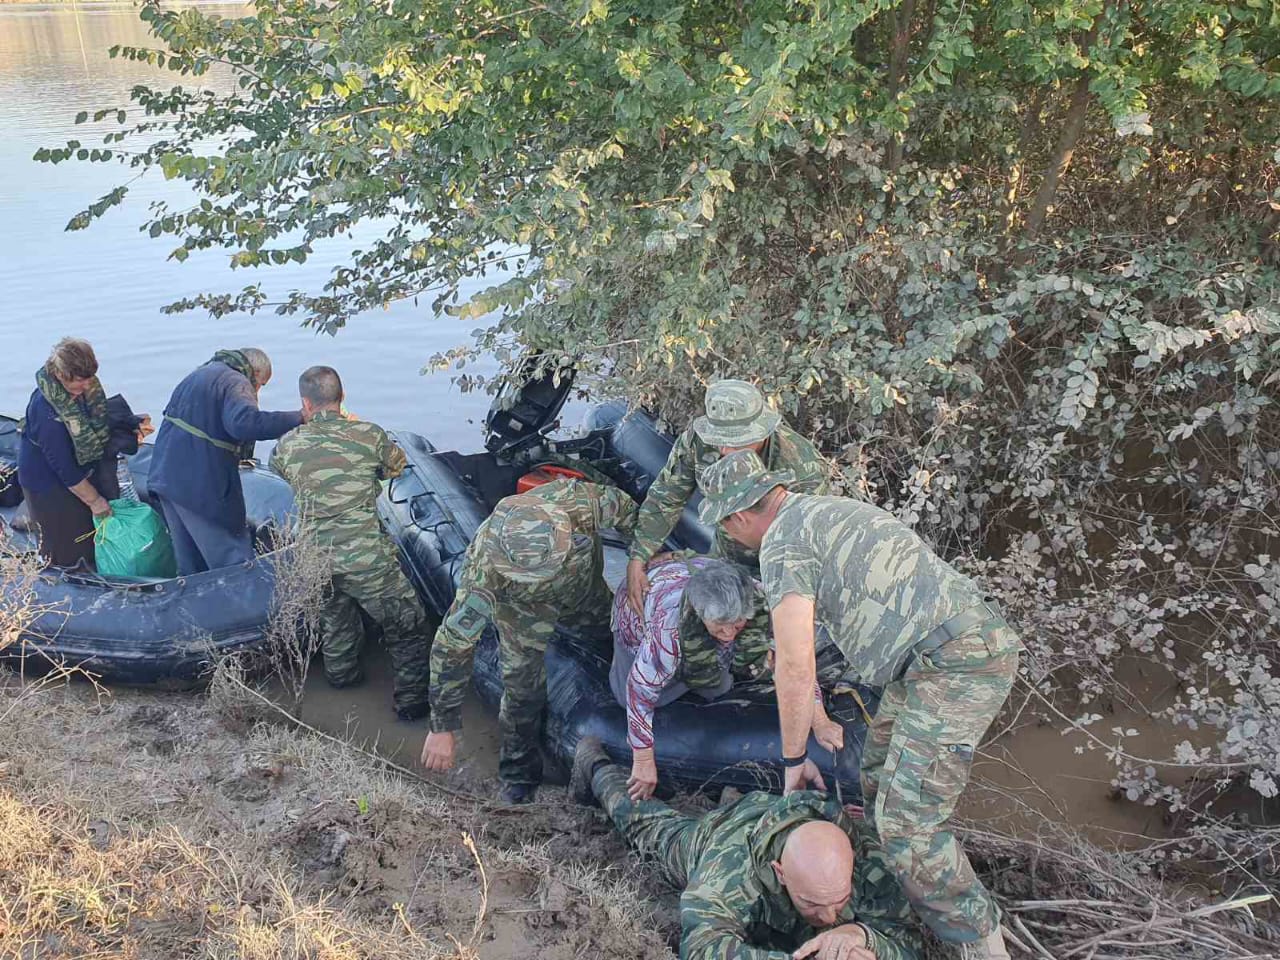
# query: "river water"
108,284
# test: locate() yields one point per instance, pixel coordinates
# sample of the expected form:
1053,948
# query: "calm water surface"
108,283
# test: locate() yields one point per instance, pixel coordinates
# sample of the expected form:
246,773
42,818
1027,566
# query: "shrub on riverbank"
1016,264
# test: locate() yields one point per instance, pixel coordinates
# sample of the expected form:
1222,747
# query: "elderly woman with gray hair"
67,455
701,627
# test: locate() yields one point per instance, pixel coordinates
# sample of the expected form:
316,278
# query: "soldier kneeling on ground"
335,465
765,878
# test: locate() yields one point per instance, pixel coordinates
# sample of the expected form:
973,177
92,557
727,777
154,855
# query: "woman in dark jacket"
64,436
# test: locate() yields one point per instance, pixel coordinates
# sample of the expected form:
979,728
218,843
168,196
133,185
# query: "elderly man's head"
723,595
816,869
259,364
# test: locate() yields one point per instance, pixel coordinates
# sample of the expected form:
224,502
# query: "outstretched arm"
795,676
667,496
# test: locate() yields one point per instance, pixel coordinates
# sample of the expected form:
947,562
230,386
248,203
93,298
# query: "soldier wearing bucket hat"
737,418
536,561
906,620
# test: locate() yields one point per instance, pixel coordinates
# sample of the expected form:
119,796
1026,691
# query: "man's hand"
100,507
828,733
644,775
846,942
437,751
659,558
804,777
637,585
145,429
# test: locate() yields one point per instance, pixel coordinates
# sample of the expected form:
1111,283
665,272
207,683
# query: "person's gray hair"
259,363
721,592
72,359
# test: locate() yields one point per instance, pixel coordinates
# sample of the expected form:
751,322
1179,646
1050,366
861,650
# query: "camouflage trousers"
522,655
388,599
915,765
650,827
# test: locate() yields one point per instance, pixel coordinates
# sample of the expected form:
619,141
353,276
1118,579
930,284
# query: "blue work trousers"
201,544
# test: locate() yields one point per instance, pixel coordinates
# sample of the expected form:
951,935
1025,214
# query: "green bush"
1014,263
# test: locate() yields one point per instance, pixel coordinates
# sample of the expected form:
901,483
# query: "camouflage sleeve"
715,911
667,496
788,565
279,462
614,508
812,470
454,646
751,648
393,458
699,658
879,903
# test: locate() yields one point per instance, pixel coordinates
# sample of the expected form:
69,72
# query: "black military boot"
586,758
518,793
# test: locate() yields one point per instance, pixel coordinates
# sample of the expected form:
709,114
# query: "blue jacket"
192,472
46,455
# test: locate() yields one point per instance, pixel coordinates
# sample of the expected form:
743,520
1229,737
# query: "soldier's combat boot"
518,793
990,947
588,755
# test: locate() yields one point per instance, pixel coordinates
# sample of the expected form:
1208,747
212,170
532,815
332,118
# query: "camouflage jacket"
485,596
675,485
877,587
335,467
734,908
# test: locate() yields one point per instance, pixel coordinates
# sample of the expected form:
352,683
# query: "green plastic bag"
133,542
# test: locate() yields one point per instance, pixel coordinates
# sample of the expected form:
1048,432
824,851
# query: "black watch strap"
795,761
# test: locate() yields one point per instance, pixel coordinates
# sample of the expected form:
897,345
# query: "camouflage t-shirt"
876,586
336,467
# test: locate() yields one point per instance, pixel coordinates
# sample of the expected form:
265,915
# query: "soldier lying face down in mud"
765,878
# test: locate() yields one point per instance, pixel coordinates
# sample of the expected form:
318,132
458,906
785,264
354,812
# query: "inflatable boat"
434,509
165,632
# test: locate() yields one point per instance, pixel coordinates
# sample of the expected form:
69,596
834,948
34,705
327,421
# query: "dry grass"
303,571
145,826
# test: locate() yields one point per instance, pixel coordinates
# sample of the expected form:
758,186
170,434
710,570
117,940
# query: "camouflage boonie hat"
532,540
737,415
736,482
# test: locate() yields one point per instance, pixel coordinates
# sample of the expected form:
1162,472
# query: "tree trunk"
897,65
1061,160
1072,127
1030,125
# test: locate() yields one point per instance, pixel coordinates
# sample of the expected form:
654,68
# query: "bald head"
816,869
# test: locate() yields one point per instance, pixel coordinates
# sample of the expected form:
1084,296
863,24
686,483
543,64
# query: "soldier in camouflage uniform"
537,560
737,418
335,465
765,878
904,619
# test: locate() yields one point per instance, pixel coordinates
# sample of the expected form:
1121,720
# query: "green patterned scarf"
236,361
87,422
